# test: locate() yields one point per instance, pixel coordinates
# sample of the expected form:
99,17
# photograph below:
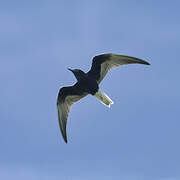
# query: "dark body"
85,85
88,83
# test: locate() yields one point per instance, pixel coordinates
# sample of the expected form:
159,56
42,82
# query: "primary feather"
66,98
103,63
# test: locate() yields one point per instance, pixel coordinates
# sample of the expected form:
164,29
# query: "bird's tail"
103,98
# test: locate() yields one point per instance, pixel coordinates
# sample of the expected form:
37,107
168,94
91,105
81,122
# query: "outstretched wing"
101,64
66,97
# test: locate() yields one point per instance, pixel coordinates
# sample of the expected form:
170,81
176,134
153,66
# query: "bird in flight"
88,83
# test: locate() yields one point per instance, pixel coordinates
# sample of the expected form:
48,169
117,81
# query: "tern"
88,83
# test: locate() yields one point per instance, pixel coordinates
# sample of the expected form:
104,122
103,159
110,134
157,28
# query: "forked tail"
103,98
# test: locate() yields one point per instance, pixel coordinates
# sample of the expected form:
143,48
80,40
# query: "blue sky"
137,138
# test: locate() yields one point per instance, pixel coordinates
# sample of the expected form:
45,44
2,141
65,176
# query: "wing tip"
147,63
64,136
65,139
143,62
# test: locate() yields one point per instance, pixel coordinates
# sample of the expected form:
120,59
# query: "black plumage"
88,83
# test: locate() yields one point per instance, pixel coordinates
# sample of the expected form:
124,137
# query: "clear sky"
137,138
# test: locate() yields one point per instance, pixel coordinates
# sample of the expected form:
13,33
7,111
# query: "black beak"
70,69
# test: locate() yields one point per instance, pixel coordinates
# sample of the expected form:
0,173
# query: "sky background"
137,138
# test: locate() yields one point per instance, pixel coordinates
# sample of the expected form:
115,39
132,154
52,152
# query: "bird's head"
79,74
